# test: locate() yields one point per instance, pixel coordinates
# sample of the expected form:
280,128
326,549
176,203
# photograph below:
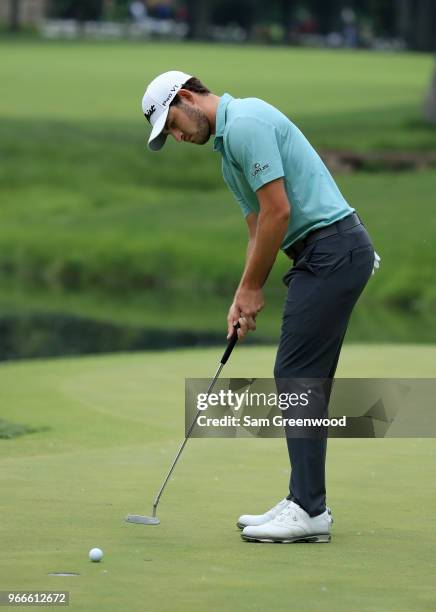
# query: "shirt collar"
220,121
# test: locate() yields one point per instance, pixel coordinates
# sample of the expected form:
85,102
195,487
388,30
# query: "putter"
153,520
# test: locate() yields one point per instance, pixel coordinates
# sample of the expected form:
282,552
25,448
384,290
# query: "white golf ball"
96,554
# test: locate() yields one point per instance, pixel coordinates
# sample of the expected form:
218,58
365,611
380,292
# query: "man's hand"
246,304
266,233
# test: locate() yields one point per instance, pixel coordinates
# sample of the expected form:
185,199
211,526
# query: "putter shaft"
182,446
153,520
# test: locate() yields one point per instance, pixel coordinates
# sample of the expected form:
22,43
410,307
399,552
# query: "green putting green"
114,426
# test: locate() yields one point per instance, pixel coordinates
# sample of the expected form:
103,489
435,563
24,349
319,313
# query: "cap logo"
148,113
170,96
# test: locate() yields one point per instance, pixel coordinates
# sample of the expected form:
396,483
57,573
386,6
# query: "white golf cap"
156,103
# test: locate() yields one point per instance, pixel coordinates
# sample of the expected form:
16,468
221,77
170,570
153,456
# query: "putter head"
142,520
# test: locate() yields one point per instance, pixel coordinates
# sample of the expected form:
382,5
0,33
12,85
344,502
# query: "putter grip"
231,345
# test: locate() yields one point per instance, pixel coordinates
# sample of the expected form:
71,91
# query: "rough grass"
93,225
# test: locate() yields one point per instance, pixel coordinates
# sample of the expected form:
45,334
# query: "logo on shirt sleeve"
258,168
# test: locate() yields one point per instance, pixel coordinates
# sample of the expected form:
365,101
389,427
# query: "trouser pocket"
362,252
361,265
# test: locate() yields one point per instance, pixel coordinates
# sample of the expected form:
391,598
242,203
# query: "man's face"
187,123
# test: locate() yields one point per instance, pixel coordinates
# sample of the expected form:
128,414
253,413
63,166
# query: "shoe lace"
281,504
286,513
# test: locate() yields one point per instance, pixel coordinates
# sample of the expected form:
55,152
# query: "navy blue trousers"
323,287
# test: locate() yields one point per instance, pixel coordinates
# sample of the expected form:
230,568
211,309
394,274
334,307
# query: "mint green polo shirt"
259,144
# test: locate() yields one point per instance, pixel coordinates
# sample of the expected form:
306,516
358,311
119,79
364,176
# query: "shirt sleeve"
254,146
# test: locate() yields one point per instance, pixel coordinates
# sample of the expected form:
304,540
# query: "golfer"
290,202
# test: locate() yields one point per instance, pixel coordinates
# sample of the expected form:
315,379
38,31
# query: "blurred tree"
415,22
287,7
426,41
116,10
430,101
82,10
403,19
383,14
241,12
412,20
326,13
14,15
425,25
199,17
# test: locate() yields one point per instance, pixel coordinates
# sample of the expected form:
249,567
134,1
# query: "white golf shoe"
293,524
259,519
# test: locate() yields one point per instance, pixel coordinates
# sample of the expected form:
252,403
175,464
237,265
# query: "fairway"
112,76
93,226
114,426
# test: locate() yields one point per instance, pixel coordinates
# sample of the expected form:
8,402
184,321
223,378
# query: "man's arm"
272,223
266,233
251,220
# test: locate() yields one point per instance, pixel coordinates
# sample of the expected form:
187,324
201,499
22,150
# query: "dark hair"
195,85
